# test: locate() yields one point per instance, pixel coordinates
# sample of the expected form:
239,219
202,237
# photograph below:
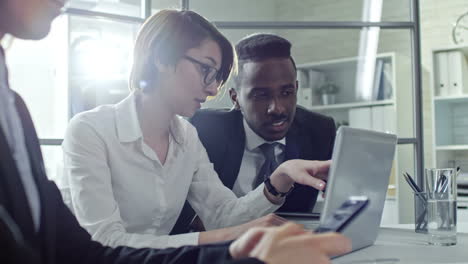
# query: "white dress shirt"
122,194
253,159
11,125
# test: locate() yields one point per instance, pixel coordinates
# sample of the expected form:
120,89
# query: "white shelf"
450,112
343,73
452,147
342,62
462,48
451,98
351,105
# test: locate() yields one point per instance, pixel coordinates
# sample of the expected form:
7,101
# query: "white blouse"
122,194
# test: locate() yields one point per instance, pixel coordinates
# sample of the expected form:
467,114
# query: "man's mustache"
278,118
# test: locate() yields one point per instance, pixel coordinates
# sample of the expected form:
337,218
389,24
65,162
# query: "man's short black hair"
261,46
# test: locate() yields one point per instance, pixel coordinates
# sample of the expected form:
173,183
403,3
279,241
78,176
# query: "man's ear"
233,96
297,88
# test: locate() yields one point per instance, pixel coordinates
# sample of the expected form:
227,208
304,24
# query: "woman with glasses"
130,167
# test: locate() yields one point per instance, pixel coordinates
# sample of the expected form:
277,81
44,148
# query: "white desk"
461,227
407,247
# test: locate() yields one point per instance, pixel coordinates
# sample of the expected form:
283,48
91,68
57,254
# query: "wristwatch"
273,190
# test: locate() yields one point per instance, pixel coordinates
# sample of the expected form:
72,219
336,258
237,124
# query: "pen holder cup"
420,212
441,188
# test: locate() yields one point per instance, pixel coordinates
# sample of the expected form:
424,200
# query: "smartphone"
343,215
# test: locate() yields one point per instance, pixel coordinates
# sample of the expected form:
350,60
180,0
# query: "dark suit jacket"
60,238
311,137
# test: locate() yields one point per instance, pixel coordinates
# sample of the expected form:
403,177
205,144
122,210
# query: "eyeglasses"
210,74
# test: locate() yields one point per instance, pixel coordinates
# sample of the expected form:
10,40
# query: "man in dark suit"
37,227
264,113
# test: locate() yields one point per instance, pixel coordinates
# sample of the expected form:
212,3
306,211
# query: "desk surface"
400,246
461,227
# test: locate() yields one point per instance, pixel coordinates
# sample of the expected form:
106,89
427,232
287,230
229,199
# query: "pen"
420,222
416,189
444,181
412,183
443,184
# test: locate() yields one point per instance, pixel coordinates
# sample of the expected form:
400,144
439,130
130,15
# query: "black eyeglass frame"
208,76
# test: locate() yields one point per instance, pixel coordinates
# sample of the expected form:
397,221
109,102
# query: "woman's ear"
163,67
160,67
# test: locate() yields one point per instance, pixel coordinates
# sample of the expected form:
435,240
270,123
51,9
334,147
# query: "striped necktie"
270,164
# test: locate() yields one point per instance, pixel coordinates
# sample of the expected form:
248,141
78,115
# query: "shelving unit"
450,115
351,105
452,147
451,98
342,73
450,118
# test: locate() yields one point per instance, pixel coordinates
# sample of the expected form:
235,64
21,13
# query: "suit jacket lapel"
15,195
39,173
5,170
235,150
293,150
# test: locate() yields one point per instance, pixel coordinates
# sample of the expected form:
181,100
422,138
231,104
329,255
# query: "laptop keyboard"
309,224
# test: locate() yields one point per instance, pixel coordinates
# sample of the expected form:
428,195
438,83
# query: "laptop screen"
361,165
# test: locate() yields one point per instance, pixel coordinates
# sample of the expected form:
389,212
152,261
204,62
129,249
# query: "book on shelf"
376,91
441,72
360,118
451,73
382,88
378,118
386,85
458,72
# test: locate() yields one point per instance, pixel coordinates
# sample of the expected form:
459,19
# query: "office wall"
228,10
436,16
239,10
328,44
331,44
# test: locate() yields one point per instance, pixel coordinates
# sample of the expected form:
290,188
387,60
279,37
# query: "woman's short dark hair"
166,36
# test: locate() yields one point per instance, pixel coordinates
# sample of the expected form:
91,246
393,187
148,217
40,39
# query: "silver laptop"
361,165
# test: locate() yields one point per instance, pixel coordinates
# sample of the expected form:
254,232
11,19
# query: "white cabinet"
378,98
450,115
462,215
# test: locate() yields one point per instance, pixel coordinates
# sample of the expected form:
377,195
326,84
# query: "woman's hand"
264,221
231,233
306,172
289,243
